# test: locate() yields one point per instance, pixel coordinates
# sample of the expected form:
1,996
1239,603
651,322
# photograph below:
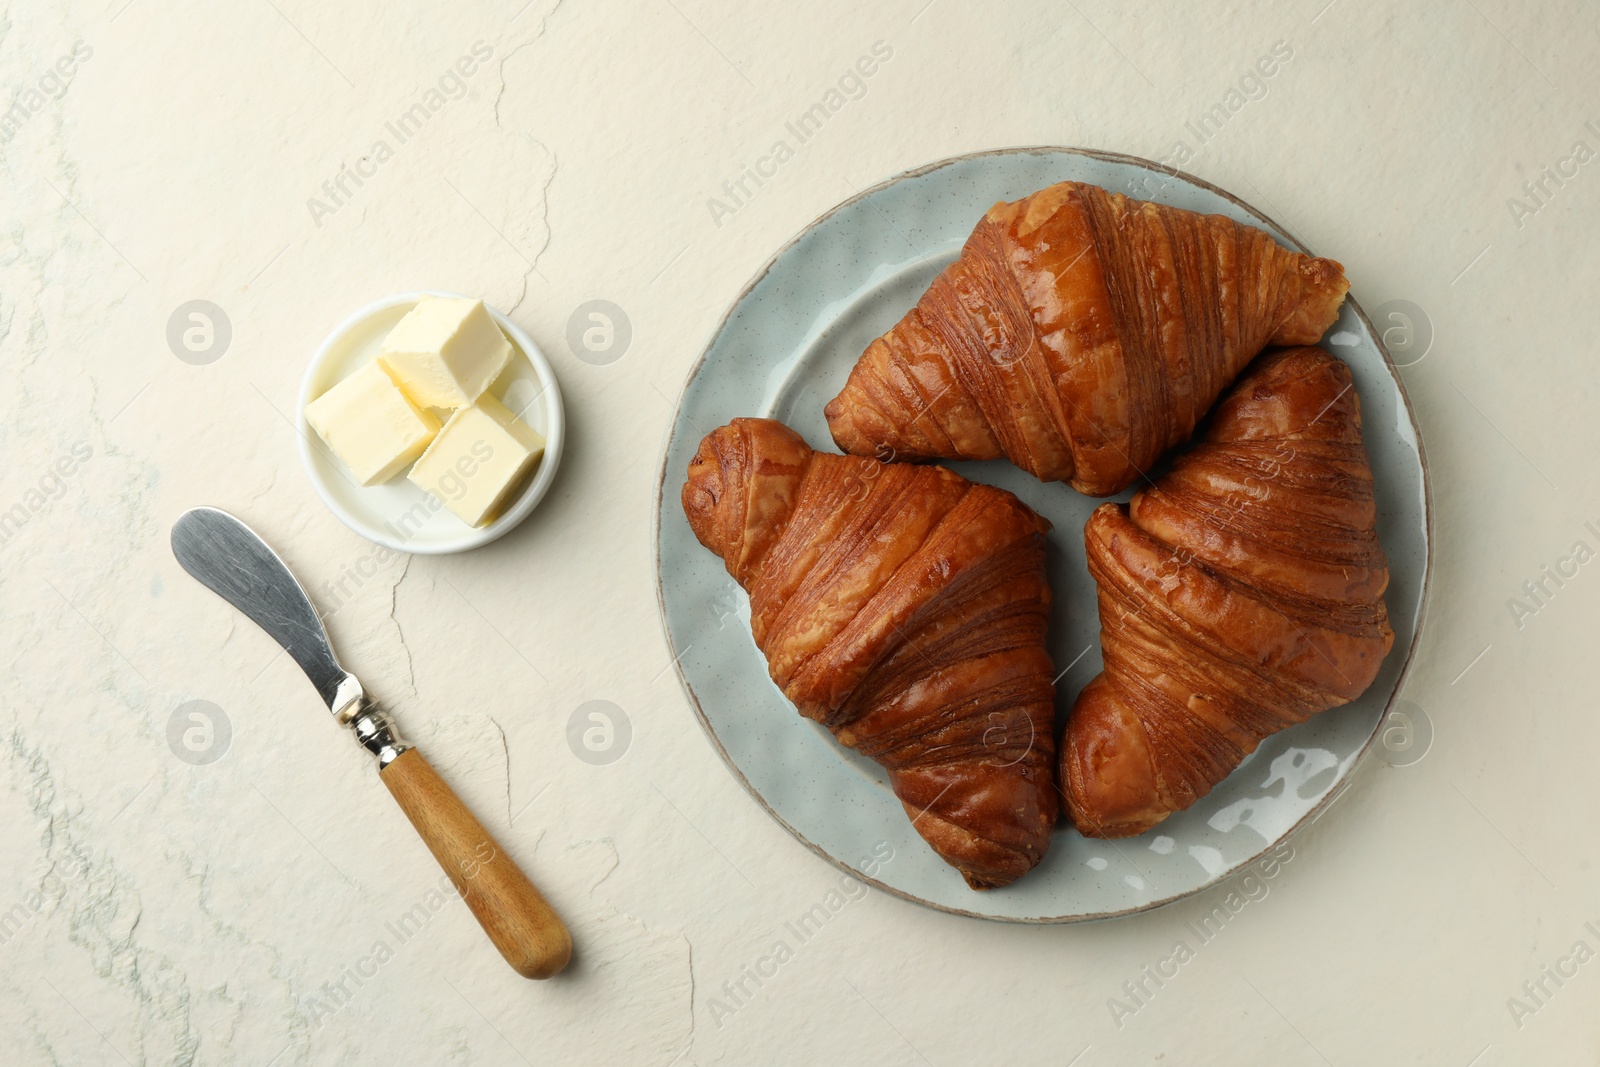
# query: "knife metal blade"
234,562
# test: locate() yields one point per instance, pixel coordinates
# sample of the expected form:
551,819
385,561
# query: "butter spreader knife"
233,561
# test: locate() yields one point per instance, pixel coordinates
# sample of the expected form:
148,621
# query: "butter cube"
370,425
477,459
445,352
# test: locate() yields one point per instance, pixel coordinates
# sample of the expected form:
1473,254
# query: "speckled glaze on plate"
784,349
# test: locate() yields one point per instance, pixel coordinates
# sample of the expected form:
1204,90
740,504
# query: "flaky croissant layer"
1080,335
904,608
1239,594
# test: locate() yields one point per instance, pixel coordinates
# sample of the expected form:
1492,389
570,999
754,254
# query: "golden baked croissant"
1080,335
904,608
1239,594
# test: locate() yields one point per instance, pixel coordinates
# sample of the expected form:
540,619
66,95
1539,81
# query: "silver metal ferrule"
377,733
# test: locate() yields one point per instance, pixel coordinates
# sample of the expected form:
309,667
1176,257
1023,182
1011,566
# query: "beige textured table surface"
159,910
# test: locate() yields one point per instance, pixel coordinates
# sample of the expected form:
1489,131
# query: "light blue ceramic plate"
783,351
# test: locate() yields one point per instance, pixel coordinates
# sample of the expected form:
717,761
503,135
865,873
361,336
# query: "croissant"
1239,594
1080,335
903,608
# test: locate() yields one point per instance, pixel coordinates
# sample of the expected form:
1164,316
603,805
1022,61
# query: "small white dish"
397,514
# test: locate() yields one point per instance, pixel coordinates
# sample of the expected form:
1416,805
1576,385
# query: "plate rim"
670,434
473,537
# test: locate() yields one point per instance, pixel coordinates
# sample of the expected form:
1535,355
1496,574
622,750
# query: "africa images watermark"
336,993
51,887
37,499
51,85
451,85
1537,592
740,991
1252,85
1252,888
738,191
599,732
337,592
1539,191
1537,992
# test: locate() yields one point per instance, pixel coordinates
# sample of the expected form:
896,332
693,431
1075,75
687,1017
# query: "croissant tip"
993,879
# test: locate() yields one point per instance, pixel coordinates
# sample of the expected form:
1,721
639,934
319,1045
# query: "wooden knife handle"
517,919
